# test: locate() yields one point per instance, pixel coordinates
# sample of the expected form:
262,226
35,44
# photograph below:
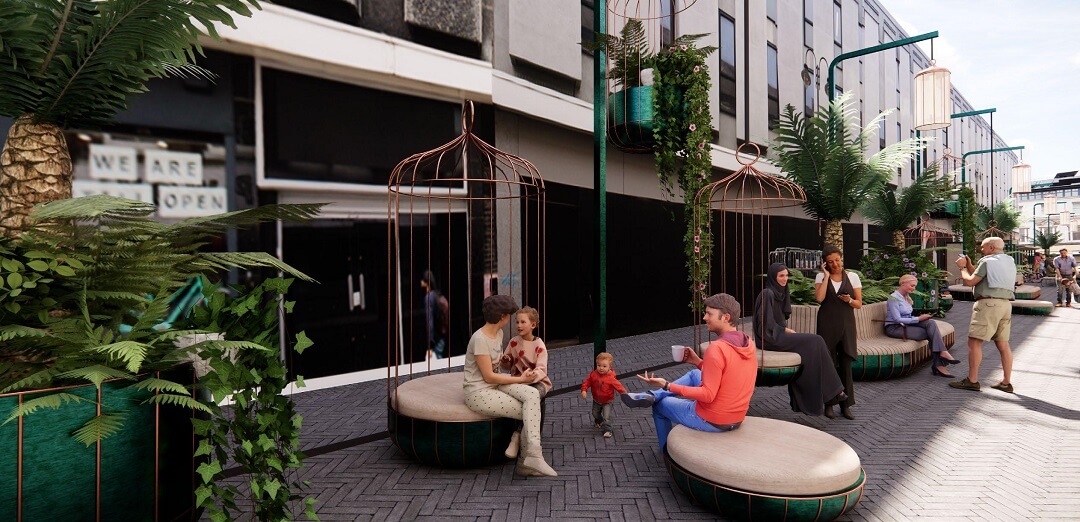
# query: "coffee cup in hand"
678,353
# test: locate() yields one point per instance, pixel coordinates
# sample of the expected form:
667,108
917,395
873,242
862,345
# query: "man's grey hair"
996,242
727,305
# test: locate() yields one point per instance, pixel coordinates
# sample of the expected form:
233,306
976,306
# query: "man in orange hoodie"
713,397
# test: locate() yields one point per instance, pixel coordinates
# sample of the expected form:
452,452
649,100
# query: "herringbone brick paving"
930,452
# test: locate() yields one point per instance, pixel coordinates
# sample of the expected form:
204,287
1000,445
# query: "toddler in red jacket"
604,385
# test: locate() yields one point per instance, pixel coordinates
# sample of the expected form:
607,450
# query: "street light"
812,77
831,80
1021,176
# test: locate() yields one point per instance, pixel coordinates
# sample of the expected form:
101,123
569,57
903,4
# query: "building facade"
318,100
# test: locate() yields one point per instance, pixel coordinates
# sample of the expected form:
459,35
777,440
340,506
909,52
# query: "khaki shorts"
991,320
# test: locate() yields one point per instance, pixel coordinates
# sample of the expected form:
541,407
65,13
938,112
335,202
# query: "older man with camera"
991,316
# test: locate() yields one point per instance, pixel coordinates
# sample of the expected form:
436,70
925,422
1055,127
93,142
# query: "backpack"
442,315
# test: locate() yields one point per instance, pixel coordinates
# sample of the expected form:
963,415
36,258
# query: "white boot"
512,449
534,465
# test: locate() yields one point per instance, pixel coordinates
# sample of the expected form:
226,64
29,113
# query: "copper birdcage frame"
993,231
745,202
629,98
926,230
432,190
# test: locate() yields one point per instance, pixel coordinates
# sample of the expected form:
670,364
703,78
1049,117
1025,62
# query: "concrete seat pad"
767,456
772,359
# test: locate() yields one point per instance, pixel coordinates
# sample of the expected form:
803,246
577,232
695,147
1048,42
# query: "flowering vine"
683,130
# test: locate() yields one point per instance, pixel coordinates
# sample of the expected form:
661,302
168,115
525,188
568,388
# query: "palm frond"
131,352
75,62
162,386
97,206
226,260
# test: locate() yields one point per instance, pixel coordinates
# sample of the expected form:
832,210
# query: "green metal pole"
600,182
973,113
963,174
963,159
831,81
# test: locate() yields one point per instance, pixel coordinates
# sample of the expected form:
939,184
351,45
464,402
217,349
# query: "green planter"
47,475
631,119
930,301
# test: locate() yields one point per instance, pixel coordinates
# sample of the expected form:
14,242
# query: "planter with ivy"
99,394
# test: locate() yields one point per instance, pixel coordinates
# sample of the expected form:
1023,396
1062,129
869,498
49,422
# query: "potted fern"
630,109
80,399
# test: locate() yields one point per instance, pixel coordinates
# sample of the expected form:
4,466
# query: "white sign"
185,202
111,162
180,168
137,191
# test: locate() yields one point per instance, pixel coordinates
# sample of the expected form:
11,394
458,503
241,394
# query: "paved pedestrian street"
929,451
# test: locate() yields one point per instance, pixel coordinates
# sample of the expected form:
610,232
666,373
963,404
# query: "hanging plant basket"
632,119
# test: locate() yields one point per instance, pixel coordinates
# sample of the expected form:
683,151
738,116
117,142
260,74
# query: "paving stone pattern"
929,451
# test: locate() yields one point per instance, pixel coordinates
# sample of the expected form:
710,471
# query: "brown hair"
604,356
727,305
496,306
533,314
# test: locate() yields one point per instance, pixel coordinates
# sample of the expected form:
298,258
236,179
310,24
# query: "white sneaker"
512,450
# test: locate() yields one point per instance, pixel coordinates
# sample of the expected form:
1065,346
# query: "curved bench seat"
767,469
962,292
428,420
946,303
1028,292
774,368
1032,307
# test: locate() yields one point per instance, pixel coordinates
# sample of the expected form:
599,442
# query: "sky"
1020,56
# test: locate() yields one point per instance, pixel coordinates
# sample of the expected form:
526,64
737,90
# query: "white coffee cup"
678,352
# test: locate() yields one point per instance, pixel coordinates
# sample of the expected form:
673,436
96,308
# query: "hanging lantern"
1049,204
933,102
1021,178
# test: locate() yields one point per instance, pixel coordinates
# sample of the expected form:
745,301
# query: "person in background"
434,315
899,324
1065,265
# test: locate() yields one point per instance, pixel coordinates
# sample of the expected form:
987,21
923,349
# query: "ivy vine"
683,131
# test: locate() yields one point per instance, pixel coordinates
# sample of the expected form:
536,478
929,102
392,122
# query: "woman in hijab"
818,385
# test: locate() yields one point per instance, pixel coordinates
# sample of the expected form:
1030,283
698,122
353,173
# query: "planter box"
631,119
144,472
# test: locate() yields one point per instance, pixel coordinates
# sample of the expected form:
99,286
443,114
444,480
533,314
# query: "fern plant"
89,266
629,53
75,63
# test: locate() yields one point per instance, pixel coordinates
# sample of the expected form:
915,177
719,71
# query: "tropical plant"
1047,240
75,63
1004,216
683,131
802,288
825,154
260,432
629,53
89,269
896,210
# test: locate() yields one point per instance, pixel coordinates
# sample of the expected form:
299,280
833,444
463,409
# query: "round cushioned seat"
946,303
947,331
1032,307
962,292
884,357
767,469
429,421
1027,292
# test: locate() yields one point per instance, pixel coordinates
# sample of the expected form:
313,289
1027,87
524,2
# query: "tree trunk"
834,234
898,240
35,167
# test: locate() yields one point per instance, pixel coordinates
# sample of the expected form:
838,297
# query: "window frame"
726,75
772,75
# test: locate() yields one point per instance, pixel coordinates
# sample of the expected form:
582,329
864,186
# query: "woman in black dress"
818,383
839,293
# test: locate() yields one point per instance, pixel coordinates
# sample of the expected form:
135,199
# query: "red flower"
521,353
539,349
513,344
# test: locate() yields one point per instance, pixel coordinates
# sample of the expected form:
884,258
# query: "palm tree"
1004,216
895,210
1047,240
826,155
74,63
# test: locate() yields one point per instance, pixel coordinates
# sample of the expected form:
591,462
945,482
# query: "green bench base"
777,376
451,444
748,505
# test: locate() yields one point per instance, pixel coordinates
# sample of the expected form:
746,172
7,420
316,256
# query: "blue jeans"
670,409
